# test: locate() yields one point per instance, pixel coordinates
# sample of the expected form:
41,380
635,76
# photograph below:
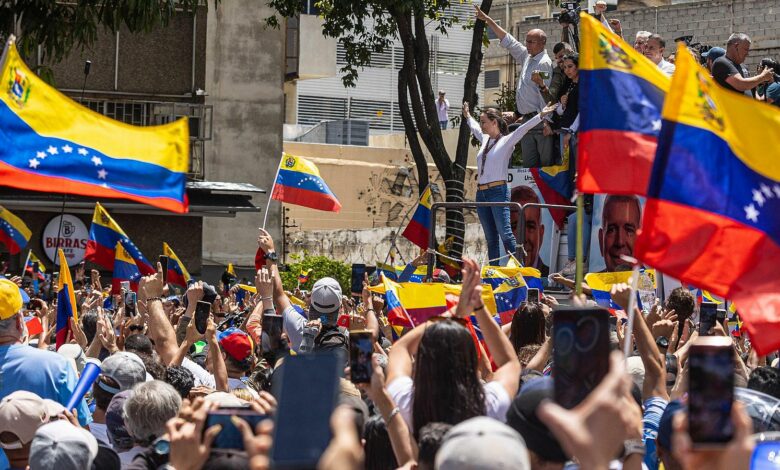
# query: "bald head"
535,41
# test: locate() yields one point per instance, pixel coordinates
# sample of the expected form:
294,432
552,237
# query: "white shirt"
442,107
529,98
497,401
666,67
497,162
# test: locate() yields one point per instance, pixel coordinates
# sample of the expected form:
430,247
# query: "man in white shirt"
537,144
654,50
443,107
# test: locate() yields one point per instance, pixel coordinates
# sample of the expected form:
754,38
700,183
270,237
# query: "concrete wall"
317,53
244,74
398,140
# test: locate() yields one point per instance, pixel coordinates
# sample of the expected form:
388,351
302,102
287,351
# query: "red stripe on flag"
417,234
99,254
306,198
615,162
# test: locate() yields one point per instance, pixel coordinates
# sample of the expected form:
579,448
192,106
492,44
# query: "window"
532,17
492,78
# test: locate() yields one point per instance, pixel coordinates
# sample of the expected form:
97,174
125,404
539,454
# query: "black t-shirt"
723,68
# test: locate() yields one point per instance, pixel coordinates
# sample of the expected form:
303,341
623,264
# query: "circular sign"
73,239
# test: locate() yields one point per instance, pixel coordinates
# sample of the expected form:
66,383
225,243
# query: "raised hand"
264,241
465,108
479,14
471,289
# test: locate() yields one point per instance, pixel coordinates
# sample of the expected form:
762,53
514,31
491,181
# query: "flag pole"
24,266
579,253
271,196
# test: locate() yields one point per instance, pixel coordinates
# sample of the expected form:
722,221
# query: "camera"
571,13
772,64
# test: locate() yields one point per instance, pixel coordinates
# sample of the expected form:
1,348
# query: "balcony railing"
152,113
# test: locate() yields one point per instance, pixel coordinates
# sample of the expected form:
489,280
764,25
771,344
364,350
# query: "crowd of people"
437,396
460,391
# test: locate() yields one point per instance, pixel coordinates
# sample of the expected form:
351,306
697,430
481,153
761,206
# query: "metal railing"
152,113
520,252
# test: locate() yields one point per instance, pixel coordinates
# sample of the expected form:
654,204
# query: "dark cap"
522,417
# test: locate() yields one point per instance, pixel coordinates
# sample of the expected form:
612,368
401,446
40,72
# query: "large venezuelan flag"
621,97
509,290
66,301
712,217
50,143
418,230
177,273
104,233
125,269
14,233
299,182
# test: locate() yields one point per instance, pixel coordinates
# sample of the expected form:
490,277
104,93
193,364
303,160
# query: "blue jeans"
495,222
443,124
571,232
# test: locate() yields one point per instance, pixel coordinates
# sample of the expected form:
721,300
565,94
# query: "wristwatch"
272,256
633,446
662,342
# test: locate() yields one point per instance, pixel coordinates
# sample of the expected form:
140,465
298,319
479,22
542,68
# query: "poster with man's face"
539,225
616,221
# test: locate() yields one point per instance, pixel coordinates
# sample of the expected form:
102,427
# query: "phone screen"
708,313
766,456
303,407
358,273
230,436
711,391
533,295
580,352
130,299
272,324
202,310
164,263
361,347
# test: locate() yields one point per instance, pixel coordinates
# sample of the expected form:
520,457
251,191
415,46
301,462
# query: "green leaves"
322,267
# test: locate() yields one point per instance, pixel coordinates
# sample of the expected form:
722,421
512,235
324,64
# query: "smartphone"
302,406
580,352
711,391
720,316
164,263
202,311
533,295
272,324
358,274
130,301
361,347
125,285
707,317
230,436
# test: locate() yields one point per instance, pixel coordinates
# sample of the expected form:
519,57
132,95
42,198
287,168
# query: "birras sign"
73,239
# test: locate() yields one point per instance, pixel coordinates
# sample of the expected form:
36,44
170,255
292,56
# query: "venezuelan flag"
387,270
104,233
125,269
299,182
418,230
303,277
28,266
555,184
14,233
177,273
531,276
396,313
50,143
621,97
66,301
713,210
601,285
509,290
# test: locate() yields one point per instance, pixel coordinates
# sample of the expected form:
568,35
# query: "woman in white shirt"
495,153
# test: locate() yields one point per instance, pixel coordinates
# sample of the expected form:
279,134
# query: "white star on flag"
52,150
657,125
97,161
102,174
67,148
759,198
34,163
751,213
82,151
776,189
766,190
41,155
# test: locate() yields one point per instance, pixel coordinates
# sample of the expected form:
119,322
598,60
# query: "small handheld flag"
14,233
28,266
66,301
303,277
299,182
125,269
418,230
104,233
177,273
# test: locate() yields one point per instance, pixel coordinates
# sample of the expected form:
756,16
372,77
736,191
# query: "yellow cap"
10,299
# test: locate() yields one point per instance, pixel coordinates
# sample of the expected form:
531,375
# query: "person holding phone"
444,385
493,160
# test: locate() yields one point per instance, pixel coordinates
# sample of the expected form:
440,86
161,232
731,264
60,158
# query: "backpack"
331,337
